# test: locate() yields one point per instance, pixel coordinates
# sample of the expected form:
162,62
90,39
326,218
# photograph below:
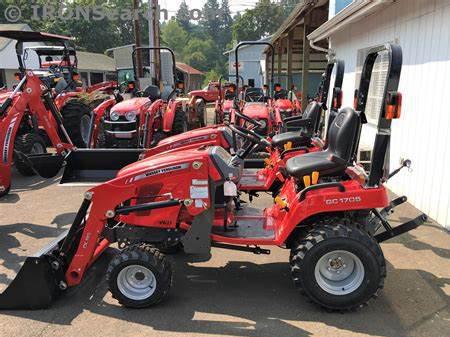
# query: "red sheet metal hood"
256,110
133,104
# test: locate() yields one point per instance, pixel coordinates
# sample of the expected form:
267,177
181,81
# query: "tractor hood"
210,136
283,104
133,104
256,110
164,163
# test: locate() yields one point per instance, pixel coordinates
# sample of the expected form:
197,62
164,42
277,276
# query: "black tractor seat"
343,135
305,127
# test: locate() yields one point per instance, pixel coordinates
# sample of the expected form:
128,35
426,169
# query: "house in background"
192,78
422,29
93,67
251,64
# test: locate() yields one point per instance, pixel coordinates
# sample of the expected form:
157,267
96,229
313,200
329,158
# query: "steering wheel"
255,98
246,118
250,135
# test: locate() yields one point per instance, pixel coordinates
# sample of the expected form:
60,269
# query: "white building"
422,134
251,63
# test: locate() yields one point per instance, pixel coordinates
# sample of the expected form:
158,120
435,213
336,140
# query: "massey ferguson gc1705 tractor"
224,103
329,213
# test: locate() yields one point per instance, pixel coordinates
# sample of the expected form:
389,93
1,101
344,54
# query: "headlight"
130,116
263,123
114,116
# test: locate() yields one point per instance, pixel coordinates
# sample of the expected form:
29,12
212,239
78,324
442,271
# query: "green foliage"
183,17
258,22
175,37
211,75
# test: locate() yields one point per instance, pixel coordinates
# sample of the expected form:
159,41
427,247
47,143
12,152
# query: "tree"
258,22
226,23
210,20
183,17
201,54
211,75
175,37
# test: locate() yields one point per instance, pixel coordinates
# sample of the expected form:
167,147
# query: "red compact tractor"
329,213
224,103
146,118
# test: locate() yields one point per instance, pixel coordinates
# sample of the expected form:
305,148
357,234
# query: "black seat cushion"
297,139
322,162
343,138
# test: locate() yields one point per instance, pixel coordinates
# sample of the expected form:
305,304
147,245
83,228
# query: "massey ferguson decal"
159,171
8,135
189,141
337,201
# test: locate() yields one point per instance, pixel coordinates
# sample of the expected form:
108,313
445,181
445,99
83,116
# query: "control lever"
404,163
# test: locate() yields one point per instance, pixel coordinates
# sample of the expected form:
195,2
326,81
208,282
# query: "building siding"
422,28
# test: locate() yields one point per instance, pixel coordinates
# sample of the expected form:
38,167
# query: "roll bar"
379,169
174,65
261,43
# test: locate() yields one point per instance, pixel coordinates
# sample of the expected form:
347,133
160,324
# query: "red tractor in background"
330,214
224,103
30,111
144,119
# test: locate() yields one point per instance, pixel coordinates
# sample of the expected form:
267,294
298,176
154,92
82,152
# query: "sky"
235,5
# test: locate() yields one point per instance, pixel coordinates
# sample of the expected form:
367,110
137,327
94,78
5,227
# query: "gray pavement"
233,294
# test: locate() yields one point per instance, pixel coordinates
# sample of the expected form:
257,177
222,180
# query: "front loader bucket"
97,165
47,165
36,284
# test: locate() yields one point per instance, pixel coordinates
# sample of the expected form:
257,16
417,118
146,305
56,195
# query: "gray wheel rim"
136,282
37,148
85,123
339,272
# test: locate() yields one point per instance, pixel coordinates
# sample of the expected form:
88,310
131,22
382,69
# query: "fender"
169,115
325,200
99,112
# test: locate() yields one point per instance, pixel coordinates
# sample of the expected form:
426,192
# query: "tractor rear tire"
140,276
77,116
28,143
338,266
179,122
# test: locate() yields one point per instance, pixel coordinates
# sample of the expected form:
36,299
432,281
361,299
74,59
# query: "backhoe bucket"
37,282
96,165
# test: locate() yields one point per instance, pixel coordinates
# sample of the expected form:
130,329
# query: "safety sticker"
199,203
199,192
199,182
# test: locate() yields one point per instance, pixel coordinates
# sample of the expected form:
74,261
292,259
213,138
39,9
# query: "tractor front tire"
338,266
179,122
76,116
140,276
5,192
28,143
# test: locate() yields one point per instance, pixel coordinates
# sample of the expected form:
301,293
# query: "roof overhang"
354,12
29,36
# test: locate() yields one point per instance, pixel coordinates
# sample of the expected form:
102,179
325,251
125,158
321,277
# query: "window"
84,78
377,83
2,78
96,78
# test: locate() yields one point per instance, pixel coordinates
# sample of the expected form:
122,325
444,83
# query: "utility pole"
153,27
137,37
